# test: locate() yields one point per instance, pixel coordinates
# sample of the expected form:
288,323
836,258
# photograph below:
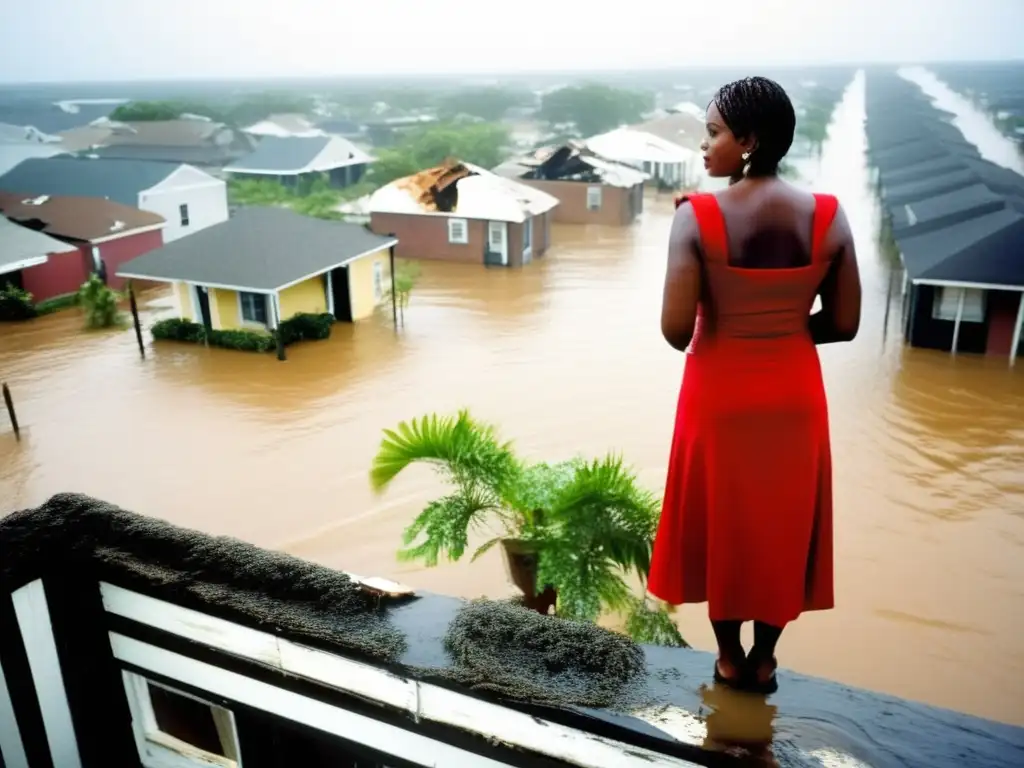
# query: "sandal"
753,682
731,682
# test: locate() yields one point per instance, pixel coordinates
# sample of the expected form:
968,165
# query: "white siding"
207,205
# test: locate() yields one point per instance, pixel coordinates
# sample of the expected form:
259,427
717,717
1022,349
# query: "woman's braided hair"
759,106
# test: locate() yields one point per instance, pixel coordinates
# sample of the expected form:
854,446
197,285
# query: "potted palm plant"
572,532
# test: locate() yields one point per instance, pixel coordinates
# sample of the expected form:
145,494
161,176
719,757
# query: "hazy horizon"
123,41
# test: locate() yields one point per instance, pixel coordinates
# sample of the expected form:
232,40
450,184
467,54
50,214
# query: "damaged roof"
572,161
90,219
21,247
481,194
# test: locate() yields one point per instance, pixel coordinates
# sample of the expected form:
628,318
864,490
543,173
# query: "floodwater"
566,358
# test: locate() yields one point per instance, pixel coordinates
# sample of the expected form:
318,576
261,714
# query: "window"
458,232
183,213
253,307
593,198
378,280
175,729
947,300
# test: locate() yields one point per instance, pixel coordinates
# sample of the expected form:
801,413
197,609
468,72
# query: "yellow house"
265,265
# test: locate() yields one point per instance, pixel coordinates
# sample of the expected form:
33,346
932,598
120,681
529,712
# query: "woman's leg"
766,637
730,650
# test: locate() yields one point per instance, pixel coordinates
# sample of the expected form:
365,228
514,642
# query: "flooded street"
566,357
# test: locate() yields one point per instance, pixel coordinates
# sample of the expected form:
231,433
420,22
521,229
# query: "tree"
406,275
588,521
481,144
489,104
595,108
100,303
245,111
816,115
313,196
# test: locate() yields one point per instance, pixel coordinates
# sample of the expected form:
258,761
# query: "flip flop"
754,685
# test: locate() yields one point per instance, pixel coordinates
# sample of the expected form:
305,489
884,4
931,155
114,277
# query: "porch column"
959,318
275,314
1018,330
330,293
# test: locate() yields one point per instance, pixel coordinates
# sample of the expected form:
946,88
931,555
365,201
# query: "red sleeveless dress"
746,524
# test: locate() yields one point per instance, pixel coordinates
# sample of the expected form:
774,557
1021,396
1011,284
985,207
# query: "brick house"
101,234
590,189
462,213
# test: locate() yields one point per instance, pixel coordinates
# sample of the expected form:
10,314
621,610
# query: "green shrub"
15,304
100,303
301,327
57,303
306,327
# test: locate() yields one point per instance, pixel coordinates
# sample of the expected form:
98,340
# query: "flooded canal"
566,357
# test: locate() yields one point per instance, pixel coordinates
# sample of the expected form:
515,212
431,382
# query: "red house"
97,236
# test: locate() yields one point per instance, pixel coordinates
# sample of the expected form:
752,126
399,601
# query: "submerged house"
957,221
187,198
666,162
293,158
265,265
461,212
131,643
104,235
590,189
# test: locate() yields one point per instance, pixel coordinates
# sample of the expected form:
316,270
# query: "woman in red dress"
746,524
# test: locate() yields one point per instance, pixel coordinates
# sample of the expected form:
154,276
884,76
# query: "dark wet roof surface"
289,153
261,249
195,155
673,708
117,180
955,216
49,118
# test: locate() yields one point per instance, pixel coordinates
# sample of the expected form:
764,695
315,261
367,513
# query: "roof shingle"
258,249
117,180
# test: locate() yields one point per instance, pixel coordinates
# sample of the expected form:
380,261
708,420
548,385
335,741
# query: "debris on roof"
571,161
76,218
462,189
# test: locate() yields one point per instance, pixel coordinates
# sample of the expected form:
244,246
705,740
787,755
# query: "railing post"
10,411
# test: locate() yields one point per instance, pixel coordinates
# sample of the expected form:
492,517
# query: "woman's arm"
682,279
840,291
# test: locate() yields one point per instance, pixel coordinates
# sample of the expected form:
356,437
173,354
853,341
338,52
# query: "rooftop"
631,144
117,180
293,155
396,652
89,219
571,162
478,194
21,247
258,249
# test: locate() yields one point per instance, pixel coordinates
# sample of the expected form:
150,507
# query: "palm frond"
466,450
444,525
653,626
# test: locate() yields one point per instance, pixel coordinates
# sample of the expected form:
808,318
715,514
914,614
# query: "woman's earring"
745,156
746,163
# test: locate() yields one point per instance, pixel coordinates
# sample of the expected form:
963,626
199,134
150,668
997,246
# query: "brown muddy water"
566,357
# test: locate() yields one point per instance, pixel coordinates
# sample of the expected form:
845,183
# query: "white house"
188,198
661,159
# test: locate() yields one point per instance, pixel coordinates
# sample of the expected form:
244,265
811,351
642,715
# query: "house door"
203,302
341,295
497,244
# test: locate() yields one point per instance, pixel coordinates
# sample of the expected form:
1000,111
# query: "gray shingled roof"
117,180
158,153
283,153
983,250
945,210
259,249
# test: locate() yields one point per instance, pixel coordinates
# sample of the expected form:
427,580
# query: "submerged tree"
99,302
406,275
588,521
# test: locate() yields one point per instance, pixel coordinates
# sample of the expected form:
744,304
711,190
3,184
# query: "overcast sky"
185,39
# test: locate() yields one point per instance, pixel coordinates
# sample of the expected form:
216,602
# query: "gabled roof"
292,155
479,194
117,180
21,247
89,219
629,144
284,125
201,155
985,250
572,161
681,128
945,210
257,249
52,118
